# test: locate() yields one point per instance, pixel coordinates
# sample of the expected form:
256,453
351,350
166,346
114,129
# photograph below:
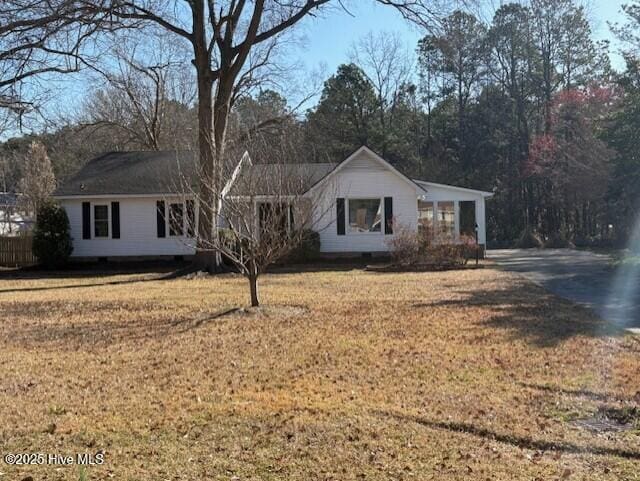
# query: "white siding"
363,177
138,231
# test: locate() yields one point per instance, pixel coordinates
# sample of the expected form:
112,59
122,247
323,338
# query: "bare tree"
266,210
147,96
384,59
38,182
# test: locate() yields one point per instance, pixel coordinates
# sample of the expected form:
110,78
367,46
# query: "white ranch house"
126,205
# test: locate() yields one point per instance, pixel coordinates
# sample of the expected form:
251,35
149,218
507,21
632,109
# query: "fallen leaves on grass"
480,369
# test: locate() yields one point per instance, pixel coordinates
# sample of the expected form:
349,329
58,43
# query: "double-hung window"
101,221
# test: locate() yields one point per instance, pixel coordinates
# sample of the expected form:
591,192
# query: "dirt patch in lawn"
343,374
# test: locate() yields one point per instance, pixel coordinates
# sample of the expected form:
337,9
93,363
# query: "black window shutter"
340,215
160,219
388,215
115,220
86,220
191,217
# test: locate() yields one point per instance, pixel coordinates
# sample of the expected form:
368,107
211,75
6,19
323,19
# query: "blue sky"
329,38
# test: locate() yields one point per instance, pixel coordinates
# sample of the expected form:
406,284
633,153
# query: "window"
365,215
446,221
101,221
176,219
425,217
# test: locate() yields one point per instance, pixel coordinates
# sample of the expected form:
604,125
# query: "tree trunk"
253,290
205,258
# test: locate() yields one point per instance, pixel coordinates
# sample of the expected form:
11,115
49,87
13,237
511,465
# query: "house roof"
278,179
425,183
167,172
152,173
132,173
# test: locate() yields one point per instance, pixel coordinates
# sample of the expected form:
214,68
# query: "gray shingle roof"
134,173
139,173
279,179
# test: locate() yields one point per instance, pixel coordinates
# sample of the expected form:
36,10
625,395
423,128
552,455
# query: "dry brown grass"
343,375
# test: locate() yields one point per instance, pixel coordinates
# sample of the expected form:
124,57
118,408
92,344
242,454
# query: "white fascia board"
454,187
120,196
245,159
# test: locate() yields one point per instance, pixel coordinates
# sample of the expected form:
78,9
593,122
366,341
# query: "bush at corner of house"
52,243
308,249
405,246
529,239
417,249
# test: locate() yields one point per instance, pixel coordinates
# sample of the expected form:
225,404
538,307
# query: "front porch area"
452,214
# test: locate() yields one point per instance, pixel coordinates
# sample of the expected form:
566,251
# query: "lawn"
342,375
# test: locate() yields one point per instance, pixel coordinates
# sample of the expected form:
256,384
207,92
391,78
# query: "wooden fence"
16,251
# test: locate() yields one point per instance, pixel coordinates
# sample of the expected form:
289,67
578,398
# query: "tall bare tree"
267,211
38,182
384,59
146,94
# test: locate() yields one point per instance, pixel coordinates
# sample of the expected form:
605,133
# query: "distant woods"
525,105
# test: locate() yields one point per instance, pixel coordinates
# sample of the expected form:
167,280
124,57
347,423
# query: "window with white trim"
365,215
101,221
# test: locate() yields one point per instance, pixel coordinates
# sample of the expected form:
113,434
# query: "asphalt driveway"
584,277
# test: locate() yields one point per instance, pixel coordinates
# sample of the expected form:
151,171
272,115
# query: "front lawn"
342,375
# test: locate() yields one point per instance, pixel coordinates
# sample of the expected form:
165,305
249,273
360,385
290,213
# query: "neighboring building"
13,220
121,204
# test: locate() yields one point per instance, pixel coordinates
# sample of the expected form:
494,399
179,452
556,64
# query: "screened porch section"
448,220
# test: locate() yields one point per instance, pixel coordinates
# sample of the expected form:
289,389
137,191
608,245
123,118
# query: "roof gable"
355,161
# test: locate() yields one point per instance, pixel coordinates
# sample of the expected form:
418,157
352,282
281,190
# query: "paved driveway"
581,276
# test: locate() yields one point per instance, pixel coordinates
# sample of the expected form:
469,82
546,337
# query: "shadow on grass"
586,393
163,272
93,334
328,265
529,312
512,439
